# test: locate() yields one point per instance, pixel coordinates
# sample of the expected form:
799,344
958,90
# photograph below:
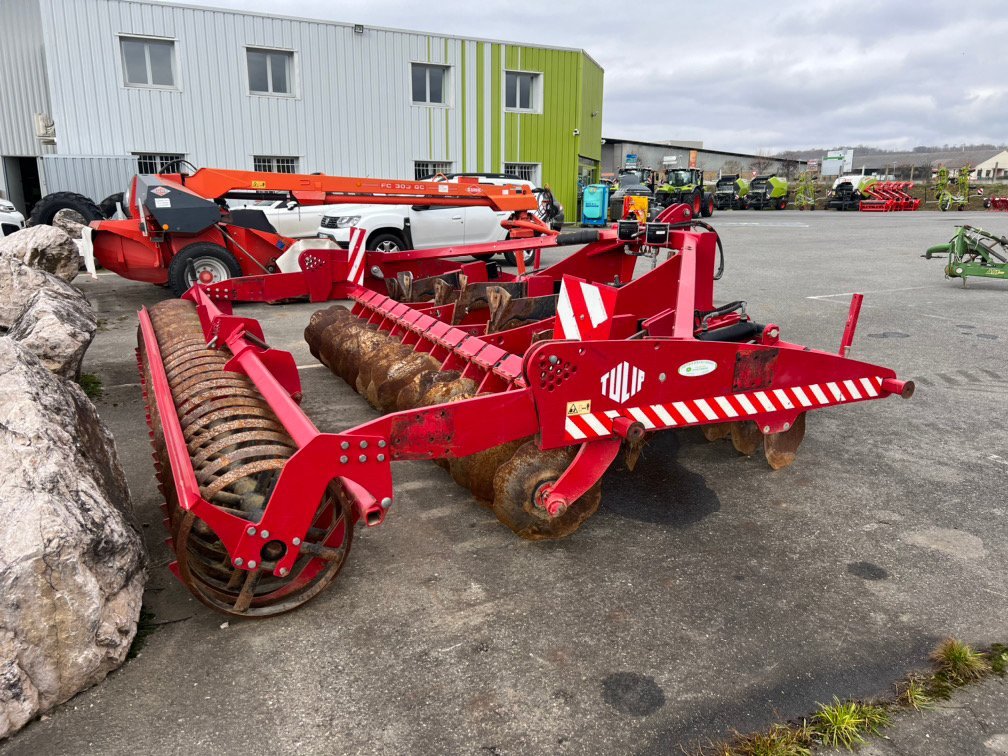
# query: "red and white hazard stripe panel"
583,309
743,406
357,253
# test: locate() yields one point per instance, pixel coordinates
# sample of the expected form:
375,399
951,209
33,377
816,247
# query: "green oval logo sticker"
696,368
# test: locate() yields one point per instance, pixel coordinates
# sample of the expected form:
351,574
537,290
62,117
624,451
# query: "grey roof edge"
705,149
351,24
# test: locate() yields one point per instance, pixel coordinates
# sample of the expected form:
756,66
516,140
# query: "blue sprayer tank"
594,205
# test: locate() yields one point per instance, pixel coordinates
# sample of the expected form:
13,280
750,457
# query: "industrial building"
621,153
97,90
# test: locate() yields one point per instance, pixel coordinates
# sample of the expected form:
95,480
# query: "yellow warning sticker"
258,184
579,408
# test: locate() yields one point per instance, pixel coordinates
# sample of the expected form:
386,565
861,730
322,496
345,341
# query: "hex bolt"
381,457
296,541
283,572
787,426
382,444
362,458
661,377
344,459
386,503
250,530
264,533
363,444
252,564
344,445
239,562
554,359
766,428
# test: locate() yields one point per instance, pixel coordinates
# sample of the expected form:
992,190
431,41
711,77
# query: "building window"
522,90
148,62
423,169
274,164
523,171
154,162
429,83
269,71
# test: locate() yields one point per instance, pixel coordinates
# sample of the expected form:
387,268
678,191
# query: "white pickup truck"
391,228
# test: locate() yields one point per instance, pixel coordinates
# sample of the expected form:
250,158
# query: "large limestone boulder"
58,327
44,247
18,284
72,564
69,221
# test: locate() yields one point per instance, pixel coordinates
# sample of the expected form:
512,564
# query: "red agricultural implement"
525,387
996,203
181,232
888,196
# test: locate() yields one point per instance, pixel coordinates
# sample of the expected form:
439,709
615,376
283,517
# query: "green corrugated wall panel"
496,107
480,107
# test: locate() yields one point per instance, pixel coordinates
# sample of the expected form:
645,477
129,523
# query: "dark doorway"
31,187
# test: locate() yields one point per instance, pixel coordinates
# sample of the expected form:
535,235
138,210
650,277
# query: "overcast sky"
751,75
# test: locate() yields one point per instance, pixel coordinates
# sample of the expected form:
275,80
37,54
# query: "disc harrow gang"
525,388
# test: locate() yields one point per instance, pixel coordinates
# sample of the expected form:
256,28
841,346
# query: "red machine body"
174,211
889,196
621,358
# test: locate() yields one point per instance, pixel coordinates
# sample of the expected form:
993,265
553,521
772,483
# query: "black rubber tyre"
198,258
696,204
108,205
385,242
46,208
511,259
782,203
485,258
707,210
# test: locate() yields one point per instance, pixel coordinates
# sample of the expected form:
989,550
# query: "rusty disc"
716,431
519,480
780,448
746,437
476,472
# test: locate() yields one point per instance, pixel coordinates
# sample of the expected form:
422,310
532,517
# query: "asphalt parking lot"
709,594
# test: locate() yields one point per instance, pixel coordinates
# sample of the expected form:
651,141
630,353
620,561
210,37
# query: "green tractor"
768,191
686,186
730,192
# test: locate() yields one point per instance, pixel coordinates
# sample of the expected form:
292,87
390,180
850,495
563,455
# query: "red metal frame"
635,365
887,196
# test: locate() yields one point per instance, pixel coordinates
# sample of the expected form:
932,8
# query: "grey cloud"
752,76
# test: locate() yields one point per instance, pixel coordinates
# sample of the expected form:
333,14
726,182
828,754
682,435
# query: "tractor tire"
511,259
707,210
696,204
108,205
385,242
782,203
201,262
45,209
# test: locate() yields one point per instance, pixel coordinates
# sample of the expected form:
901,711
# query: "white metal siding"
351,113
95,176
22,77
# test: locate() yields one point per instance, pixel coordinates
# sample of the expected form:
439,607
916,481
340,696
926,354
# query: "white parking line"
877,291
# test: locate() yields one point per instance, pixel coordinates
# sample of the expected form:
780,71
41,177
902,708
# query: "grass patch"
846,724
843,724
145,626
914,692
998,658
91,384
959,663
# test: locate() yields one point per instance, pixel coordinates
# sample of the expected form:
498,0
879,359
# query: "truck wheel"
45,209
708,206
202,263
108,205
385,242
512,259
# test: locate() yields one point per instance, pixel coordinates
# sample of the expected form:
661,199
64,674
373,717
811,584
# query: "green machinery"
730,192
686,186
952,194
805,192
768,191
973,252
